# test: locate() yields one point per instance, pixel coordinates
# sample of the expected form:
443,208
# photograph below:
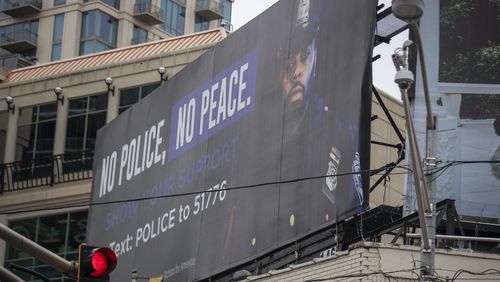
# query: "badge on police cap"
303,13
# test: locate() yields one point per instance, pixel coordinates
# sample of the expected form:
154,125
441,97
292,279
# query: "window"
4,118
2,4
113,3
129,97
200,24
25,31
99,31
86,115
35,133
61,234
140,35
57,37
173,17
226,8
59,2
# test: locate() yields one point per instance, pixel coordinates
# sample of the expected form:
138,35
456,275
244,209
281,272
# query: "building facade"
369,261
41,31
47,141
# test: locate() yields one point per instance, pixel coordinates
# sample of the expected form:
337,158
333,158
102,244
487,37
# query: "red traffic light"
95,263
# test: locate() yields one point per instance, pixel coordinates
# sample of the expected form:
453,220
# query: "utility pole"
411,11
7,276
39,252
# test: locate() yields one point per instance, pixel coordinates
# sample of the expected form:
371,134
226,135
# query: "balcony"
181,2
139,40
14,61
148,13
17,8
18,41
209,9
59,169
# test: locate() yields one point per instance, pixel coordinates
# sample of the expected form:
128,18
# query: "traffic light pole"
7,276
67,267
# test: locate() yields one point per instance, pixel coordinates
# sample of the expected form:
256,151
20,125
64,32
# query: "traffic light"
95,263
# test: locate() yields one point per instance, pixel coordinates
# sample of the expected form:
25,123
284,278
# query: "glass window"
113,3
86,115
60,233
57,37
99,32
20,31
200,24
129,97
35,133
4,118
59,2
140,35
173,17
2,4
226,8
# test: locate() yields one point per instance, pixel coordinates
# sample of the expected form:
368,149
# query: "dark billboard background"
285,101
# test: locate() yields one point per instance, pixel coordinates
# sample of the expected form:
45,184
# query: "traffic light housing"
95,263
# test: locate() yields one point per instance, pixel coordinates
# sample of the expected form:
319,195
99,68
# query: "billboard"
466,55
463,47
466,58
259,141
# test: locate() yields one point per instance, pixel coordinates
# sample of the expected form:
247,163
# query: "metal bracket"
432,161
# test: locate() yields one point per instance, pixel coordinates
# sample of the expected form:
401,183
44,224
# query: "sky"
383,69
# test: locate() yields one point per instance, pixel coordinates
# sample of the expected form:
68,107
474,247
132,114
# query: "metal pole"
39,252
7,276
418,175
428,256
134,275
462,238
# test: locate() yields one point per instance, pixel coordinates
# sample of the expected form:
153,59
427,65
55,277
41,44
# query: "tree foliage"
470,41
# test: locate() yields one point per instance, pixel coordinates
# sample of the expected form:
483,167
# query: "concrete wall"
389,192
377,262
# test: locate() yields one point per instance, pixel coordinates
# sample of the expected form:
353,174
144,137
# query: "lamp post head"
408,10
58,91
9,100
163,73
108,81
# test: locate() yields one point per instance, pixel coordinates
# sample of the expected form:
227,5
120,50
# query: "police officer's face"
297,77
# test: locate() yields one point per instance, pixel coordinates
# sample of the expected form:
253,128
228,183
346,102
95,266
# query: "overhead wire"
251,186
242,187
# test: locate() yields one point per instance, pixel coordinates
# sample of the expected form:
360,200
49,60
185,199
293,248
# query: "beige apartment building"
47,140
40,31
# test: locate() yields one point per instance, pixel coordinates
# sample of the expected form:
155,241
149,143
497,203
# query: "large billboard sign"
466,55
464,78
262,139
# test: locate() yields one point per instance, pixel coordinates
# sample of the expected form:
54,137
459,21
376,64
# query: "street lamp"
10,106
163,73
109,82
58,91
408,10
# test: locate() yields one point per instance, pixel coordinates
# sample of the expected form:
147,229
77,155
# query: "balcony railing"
210,9
18,41
16,8
14,61
45,172
181,2
139,40
148,13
